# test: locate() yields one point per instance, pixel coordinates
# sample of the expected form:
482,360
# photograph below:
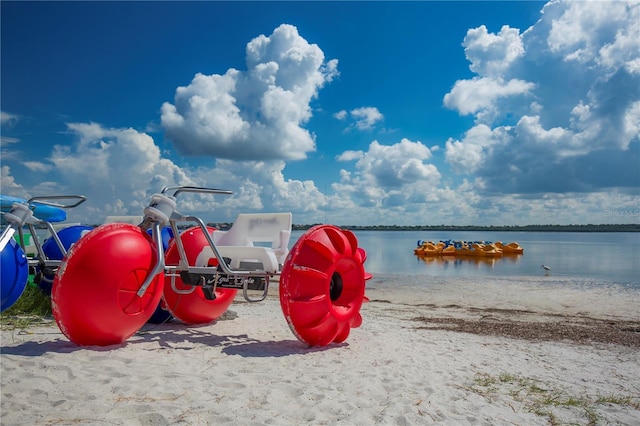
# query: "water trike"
48,254
110,282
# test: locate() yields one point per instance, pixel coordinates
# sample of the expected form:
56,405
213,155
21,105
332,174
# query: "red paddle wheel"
322,285
94,297
185,302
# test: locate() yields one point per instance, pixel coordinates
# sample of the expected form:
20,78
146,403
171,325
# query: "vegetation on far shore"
631,227
510,228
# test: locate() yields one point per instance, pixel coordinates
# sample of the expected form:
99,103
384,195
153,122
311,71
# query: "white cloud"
491,57
255,114
9,185
468,154
631,122
558,101
556,114
491,54
389,175
602,32
364,118
340,115
350,156
37,166
117,169
6,153
479,95
262,186
7,119
555,142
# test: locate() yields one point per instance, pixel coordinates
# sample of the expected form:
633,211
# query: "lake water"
588,256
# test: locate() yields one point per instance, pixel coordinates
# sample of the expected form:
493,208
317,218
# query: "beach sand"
431,351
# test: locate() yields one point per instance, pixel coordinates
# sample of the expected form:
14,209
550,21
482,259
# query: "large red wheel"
322,285
185,302
94,296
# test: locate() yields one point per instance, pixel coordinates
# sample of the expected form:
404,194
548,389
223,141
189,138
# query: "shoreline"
406,364
575,316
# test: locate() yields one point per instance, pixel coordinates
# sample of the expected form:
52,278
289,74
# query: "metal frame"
21,214
162,211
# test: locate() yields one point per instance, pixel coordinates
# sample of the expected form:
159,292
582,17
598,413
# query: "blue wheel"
15,274
161,314
68,237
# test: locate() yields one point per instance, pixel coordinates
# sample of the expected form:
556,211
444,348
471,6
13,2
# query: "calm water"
608,257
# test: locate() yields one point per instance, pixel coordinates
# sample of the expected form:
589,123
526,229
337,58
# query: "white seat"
133,220
242,257
242,243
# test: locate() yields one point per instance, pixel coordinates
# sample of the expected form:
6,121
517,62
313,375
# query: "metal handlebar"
162,210
195,189
21,214
42,200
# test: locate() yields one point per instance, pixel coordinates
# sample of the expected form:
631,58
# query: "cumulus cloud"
469,154
262,186
9,184
556,112
551,100
604,32
117,168
389,175
254,114
480,94
340,115
491,54
364,118
350,156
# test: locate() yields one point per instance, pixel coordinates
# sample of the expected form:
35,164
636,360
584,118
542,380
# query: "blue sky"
353,113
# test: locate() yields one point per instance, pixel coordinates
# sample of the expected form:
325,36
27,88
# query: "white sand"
392,370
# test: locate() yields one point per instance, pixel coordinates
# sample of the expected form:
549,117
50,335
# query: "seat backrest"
133,220
250,228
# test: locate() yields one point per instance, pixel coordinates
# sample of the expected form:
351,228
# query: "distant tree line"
510,228
632,227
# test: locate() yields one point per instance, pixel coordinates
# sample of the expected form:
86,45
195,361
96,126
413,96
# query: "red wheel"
185,302
322,286
94,297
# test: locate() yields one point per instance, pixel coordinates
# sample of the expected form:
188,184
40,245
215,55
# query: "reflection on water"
466,261
601,256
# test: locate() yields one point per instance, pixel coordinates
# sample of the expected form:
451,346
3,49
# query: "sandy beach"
456,351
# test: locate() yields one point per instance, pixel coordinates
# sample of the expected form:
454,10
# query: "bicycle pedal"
209,294
255,283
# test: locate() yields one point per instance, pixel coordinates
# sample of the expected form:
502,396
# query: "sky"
350,113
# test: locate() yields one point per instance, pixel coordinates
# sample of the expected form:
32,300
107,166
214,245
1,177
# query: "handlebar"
196,189
42,200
